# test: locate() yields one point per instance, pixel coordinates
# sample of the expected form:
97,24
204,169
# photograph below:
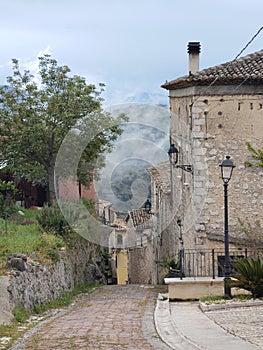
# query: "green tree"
37,112
257,155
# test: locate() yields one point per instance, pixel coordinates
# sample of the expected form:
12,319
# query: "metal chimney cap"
194,47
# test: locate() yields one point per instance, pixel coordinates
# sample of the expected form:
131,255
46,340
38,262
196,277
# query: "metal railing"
210,263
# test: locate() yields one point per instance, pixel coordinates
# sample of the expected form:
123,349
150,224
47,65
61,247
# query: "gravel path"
244,322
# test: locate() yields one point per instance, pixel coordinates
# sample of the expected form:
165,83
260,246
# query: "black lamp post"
179,223
173,156
227,167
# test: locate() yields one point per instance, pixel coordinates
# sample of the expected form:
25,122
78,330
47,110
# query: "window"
119,239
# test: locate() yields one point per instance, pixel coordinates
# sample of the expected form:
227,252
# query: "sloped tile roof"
141,218
248,69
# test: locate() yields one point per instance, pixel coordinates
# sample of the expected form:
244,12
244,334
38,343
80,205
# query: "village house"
141,232
214,112
131,244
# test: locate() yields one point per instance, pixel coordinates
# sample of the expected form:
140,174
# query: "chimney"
194,49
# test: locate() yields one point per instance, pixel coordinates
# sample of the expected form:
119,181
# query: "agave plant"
249,276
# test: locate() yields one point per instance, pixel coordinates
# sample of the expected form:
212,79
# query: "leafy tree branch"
37,112
256,154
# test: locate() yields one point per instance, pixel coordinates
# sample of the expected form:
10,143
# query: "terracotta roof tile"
141,218
248,68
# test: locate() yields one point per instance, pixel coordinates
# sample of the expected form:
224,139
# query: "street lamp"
173,156
227,167
148,205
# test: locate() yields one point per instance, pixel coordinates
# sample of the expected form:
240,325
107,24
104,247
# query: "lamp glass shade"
148,205
227,167
173,154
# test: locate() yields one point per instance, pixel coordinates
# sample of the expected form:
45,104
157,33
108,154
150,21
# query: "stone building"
214,112
165,245
131,245
142,243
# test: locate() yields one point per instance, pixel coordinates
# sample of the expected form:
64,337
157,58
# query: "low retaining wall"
197,287
6,316
193,288
41,284
38,284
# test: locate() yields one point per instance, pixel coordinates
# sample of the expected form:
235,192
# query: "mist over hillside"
149,98
124,180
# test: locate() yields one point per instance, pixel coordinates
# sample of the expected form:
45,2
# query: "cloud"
32,65
144,143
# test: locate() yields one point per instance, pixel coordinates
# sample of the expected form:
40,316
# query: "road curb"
220,306
166,328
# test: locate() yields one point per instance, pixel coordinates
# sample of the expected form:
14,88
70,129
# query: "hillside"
124,180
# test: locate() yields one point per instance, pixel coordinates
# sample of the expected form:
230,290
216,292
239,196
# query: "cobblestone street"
112,317
122,317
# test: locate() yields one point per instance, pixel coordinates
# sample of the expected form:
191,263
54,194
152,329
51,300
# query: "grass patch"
18,239
21,314
9,331
22,234
28,217
211,298
218,299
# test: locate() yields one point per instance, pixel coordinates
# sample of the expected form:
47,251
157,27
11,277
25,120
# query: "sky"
132,46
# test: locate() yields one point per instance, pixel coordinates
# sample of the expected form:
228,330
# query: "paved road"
202,333
122,317
112,317
243,322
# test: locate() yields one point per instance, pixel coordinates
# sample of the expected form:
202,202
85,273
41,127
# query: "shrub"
52,220
249,276
49,245
172,265
90,205
7,207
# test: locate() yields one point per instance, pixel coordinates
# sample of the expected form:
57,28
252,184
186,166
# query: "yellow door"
122,267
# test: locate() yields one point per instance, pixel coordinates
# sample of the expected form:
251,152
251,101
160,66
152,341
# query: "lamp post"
227,167
179,223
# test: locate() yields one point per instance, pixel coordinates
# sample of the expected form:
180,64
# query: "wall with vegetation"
39,284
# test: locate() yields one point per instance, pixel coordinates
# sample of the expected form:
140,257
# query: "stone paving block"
112,317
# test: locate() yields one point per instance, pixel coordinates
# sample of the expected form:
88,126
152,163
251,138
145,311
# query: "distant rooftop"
141,218
247,69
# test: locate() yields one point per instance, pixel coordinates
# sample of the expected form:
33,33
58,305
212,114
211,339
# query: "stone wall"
142,264
39,284
205,130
